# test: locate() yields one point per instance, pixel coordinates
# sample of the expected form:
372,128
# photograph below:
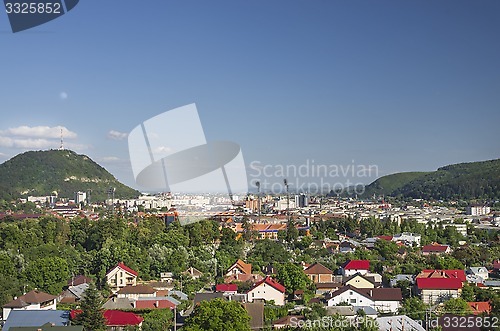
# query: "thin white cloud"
110,159
63,95
26,143
116,135
44,132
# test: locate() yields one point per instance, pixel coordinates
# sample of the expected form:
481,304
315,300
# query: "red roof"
452,273
435,248
357,265
480,307
388,238
115,317
439,283
226,288
271,282
153,304
124,267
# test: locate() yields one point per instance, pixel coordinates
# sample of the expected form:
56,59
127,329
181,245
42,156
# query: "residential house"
353,267
121,276
402,277
135,292
386,300
408,239
451,273
436,248
36,318
479,308
347,247
193,272
239,267
227,288
154,303
318,273
167,277
269,290
33,300
478,272
73,293
359,281
78,280
437,290
117,320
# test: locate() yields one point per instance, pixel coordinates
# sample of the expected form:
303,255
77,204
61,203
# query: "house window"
121,274
121,281
353,300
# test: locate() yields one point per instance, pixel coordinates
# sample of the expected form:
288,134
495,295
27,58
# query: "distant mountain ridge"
39,173
473,180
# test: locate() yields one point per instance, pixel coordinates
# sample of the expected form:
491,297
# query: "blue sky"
404,85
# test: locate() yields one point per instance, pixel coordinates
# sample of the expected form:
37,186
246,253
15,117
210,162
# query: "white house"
267,289
479,272
121,276
386,300
136,292
34,300
353,267
408,238
436,290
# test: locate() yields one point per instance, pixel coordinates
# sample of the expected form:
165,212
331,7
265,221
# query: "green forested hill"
387,185
63,171
475,180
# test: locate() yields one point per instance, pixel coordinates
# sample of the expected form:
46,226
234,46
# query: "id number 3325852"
33,8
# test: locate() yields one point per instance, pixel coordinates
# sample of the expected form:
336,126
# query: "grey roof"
79,290
180,294
476,270
36,318
48,327
118,303
367,309
341,310
398,323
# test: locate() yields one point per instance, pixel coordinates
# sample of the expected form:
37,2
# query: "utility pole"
287,199
258,198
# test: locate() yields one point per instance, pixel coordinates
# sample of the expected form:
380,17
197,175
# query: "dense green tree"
218,315
414,308
158,319
48,274
293,277
457,306
91,317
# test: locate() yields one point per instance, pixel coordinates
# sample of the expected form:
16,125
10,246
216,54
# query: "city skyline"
404,86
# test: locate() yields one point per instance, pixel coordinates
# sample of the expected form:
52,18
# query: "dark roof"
78,280
256,312
287,320
328,285
137,289
317,268
34,296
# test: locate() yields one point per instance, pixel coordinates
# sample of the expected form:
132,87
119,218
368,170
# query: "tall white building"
478,210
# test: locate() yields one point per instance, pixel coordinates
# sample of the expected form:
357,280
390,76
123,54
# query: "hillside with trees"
475,180
40,173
